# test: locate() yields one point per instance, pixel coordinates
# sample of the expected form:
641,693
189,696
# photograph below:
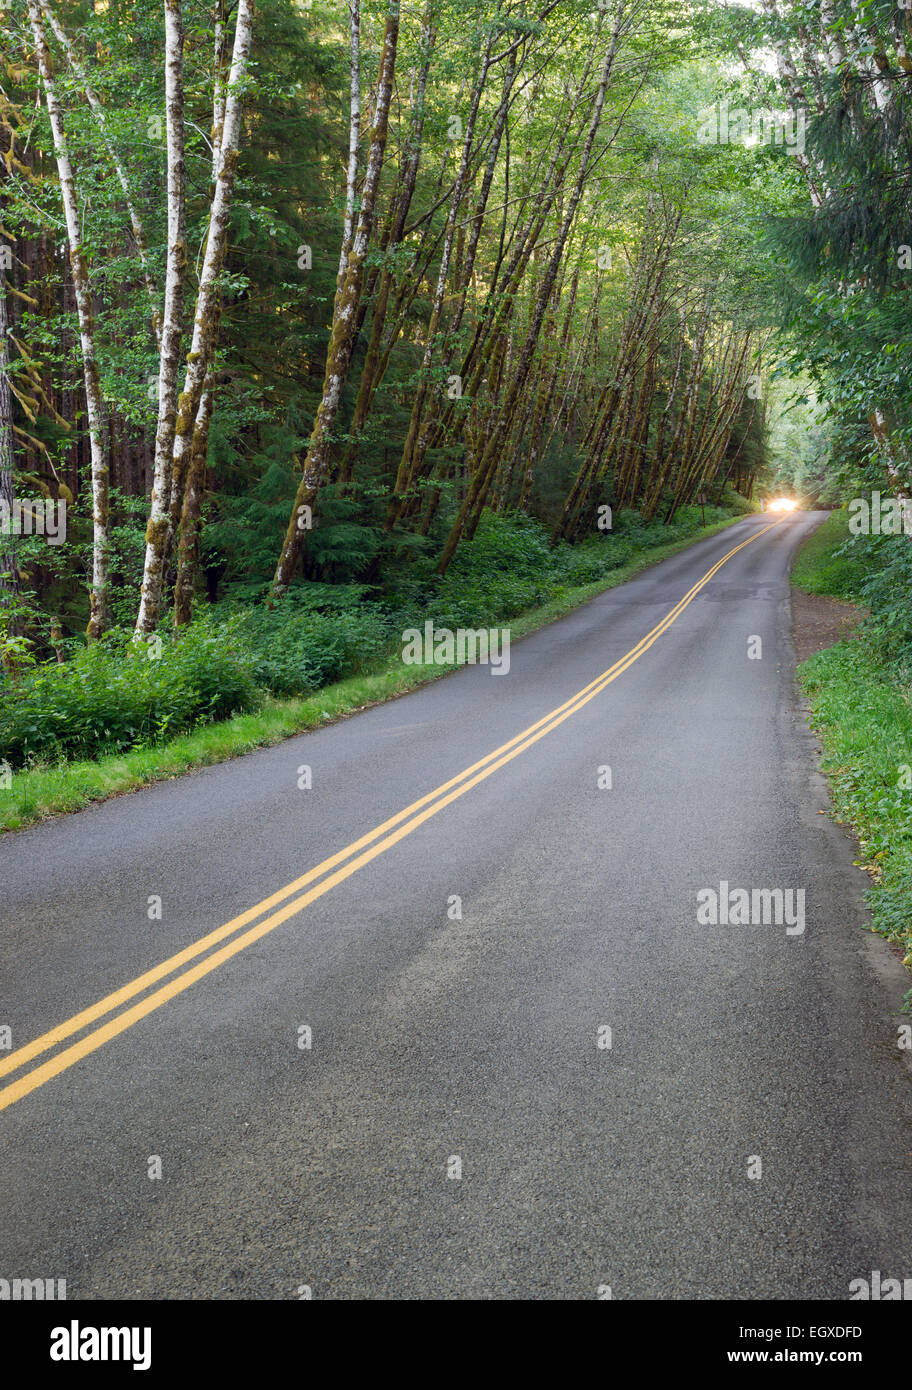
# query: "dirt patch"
819,621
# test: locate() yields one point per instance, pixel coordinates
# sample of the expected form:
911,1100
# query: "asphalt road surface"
458,1126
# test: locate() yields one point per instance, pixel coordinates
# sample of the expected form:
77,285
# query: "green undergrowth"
859,695
245,677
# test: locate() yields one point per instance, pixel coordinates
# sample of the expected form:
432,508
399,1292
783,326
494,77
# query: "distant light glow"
782,504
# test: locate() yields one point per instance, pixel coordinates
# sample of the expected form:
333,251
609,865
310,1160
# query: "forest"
318,320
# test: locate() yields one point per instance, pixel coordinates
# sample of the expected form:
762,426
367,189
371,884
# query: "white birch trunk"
7,480
158,530
203,342
185,510
98,620
354,138
788,77
97,110
219,94
834,44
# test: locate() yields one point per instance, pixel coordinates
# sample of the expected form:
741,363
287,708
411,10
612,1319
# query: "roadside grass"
45,790
818,569
863,717
865,723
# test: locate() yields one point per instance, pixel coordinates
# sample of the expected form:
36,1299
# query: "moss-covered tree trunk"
504,281
9,579
192,511
661,462
342,340
409,465
375,361
354,137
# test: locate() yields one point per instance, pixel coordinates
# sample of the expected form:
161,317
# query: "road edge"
46,793
882,957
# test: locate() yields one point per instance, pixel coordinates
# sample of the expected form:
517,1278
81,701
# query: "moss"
157,533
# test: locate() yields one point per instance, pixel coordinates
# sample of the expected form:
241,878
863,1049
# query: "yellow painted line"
17,1059
442,796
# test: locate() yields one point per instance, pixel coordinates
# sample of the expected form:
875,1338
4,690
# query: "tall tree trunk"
661,461
405,469
500,300
98,619
354,137
205,322
139,235
9,578
186,509
342,340
191,512
373,370
485,471
158,530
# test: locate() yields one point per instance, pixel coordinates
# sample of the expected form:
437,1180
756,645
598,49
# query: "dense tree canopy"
309,312
466,256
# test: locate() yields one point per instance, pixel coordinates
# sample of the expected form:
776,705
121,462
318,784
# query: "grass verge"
818,569
43,791
863,718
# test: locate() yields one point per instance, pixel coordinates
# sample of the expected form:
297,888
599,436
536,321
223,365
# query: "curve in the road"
393,830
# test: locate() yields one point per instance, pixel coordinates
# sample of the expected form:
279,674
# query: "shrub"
295,648
114,695
505,568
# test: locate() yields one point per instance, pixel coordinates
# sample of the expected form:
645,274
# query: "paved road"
435,1039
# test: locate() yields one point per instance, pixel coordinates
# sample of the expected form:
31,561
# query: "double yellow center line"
329,872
